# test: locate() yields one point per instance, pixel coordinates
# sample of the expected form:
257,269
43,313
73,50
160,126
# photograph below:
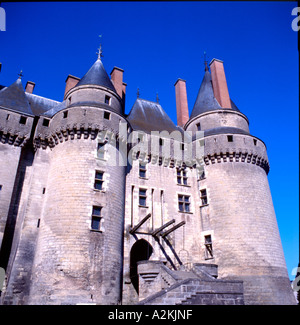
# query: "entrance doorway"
140,251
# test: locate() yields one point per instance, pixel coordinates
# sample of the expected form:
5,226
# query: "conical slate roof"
97,76
206,100
14,98
148,116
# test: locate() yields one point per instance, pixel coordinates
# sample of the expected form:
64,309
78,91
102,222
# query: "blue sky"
158,42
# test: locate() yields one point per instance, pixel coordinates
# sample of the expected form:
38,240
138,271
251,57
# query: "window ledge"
204,205
101,191
185,212
143,206
143,177
95,230
184,185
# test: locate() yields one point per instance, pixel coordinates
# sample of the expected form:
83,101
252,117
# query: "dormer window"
107,100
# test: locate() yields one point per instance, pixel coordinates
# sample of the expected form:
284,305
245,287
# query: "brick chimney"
219,83
29,87
117,80
71,82
181,102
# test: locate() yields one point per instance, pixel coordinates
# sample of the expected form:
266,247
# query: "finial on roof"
100,55
205,62
20,74
157,99
138,93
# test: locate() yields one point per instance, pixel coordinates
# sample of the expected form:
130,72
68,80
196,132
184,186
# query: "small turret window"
198,126
107,115
46,122
23,120
101,150
230,138
107,100
98,185
96,218
65,114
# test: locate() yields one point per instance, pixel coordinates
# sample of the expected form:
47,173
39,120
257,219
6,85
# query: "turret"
238,221
79,248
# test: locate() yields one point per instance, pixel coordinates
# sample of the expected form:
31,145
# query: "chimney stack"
71,82
219,83
117,80
181,102
29,87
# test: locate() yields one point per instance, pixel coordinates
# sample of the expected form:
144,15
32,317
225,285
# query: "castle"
100,207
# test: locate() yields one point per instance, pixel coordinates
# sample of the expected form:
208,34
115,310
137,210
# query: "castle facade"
102,207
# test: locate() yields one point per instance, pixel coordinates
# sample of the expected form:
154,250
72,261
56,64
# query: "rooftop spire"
20,74
205,62
100,55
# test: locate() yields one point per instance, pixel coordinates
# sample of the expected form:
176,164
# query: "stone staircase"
195,287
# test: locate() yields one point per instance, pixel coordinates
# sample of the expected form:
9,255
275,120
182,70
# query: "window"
201,174
107,115
7,117
23,120
65,114
184,203
142,197
0,187
101,150
230,138
181,146
203,197
181,177
198,126
255,142
142,170
96,218
140,137
46,122
107,100
208,247
161,141
98,185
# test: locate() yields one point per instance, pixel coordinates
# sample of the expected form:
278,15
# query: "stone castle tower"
88,216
